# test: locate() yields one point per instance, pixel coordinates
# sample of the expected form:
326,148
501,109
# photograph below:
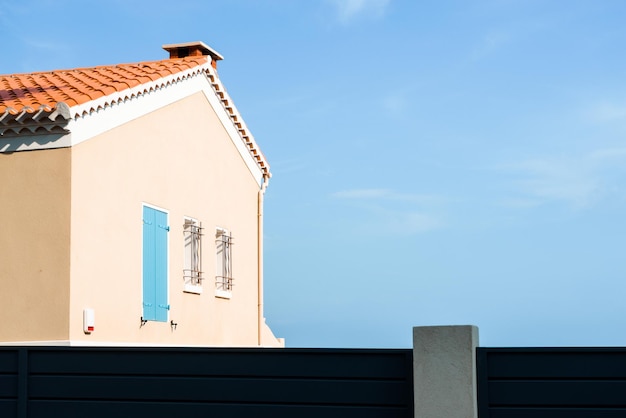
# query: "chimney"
193,49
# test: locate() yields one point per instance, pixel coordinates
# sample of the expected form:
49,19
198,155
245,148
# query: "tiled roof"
48,100
31,92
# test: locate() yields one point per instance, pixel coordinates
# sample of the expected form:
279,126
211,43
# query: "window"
192,269
224,266
155,230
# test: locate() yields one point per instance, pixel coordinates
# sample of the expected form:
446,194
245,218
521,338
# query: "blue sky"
434,162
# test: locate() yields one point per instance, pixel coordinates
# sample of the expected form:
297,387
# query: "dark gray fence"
174,382
551,382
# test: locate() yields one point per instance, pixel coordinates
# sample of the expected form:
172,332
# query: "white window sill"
224,294
193,288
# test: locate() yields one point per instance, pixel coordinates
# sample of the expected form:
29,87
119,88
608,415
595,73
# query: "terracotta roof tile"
54,92
80,85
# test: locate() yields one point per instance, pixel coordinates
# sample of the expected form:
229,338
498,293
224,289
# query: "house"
131,207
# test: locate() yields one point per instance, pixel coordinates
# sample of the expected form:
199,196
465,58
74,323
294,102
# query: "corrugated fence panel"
551,382
8,383
165,382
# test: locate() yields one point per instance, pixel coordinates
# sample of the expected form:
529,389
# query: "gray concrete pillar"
444,371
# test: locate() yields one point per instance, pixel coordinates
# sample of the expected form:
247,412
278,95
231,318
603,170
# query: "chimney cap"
183,49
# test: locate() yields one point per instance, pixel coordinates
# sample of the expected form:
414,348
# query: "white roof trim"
124,96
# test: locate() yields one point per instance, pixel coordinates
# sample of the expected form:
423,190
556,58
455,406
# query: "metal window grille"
224,276
192,272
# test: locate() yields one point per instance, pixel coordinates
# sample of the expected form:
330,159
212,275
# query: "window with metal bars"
224,263
192,269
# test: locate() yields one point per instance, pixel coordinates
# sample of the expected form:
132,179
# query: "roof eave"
29,120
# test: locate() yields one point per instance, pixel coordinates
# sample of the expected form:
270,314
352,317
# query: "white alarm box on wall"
88,321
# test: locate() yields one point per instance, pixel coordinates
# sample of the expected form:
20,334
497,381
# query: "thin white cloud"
362,194
48,46
489,44
386,222
408,223
609,154
579,181
519,202
390,212
394,103
348,10
568,180
607,112
508,32
385,194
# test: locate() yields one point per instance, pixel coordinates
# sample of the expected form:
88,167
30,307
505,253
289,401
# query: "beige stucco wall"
35,245
181,159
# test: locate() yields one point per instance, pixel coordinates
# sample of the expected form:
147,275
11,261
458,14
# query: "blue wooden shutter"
162,229
155,231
